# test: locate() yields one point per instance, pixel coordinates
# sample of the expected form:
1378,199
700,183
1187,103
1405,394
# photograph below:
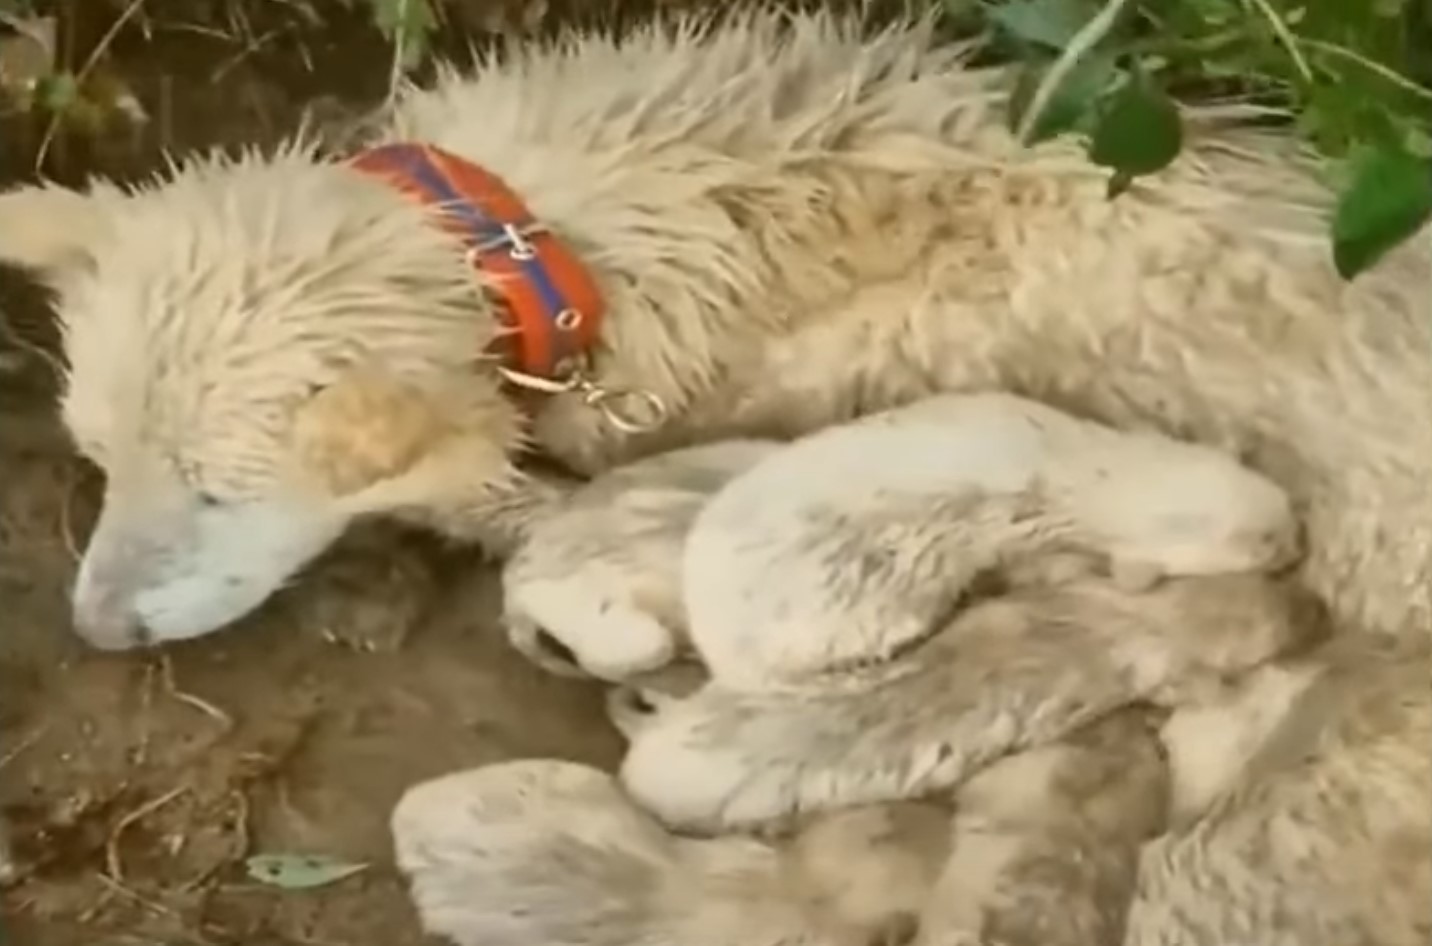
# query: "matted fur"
857,542
794,221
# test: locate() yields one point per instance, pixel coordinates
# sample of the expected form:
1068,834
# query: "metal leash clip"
630,411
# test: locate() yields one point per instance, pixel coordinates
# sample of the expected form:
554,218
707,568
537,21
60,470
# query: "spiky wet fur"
793,220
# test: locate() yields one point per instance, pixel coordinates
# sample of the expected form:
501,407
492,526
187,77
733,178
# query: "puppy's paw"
680,771
567,628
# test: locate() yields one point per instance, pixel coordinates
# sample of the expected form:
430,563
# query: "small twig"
53,126
119,888
113,863
166,669
1285,36
1371,65
1079,46
25,743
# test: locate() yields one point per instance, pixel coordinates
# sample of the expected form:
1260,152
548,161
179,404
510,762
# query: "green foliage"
408,25
1137,132
1352,75
1387,198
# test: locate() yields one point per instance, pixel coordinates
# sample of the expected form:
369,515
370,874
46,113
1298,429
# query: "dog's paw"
368,599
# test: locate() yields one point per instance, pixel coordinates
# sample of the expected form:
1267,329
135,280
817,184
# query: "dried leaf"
300,871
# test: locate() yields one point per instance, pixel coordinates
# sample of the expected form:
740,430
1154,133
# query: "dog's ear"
366,427
49,229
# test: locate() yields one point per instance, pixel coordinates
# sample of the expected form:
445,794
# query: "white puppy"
1316,827
595,584
1039,849
1005,674
1046,842
552,853
858,541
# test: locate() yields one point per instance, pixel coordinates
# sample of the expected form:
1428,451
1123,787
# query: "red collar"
551,300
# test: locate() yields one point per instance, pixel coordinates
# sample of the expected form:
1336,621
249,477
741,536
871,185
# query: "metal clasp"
630,411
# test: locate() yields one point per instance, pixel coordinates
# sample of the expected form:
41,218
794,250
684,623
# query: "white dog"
781,561
594,586
1007,673
757,226
857,542
1040,850
1315,827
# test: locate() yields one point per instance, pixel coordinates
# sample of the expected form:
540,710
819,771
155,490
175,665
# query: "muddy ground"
138,785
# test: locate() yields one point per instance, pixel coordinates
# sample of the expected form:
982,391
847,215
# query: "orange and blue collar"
551,300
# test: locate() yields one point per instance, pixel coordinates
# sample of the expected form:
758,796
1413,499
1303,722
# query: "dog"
1041,848
811,556
1307,820
855,543
1008,673
758,225
547,851
594,585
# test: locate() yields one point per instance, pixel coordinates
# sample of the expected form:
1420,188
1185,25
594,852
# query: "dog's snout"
105,617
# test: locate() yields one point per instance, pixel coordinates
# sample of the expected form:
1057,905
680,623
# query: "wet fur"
857,542
794,220
1046,842
1320,837
542,851
1006,674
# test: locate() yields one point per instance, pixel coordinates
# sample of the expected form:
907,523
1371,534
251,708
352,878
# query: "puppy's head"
259,349
1187,509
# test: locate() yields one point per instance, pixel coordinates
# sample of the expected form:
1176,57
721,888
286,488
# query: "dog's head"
260,349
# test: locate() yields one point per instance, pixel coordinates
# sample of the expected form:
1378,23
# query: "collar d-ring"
631,412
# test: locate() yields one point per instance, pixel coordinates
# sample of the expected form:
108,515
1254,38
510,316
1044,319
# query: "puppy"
1317,825
1046,841
594,588
856,542
1042,851
553,853
1006,674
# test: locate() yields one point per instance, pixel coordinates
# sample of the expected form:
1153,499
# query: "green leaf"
1387,199
408,22
1140,132
1051,23
1073,102
57,92
299,871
